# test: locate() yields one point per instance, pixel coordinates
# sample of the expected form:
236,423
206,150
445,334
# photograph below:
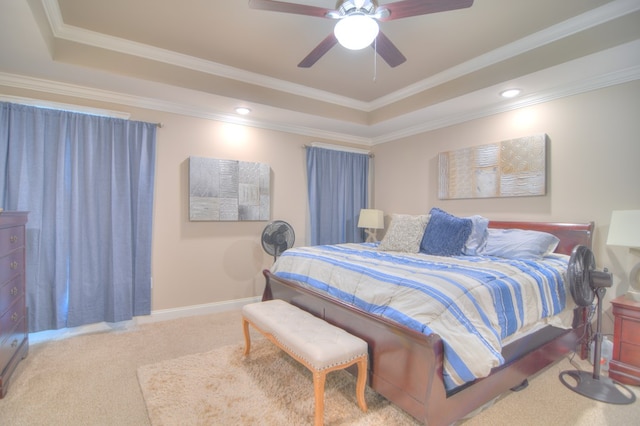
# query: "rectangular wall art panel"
512,168
228,190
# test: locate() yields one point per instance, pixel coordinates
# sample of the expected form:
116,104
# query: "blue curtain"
87,183
338,189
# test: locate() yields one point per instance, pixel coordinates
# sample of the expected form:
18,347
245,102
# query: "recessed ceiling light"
510,93
243,110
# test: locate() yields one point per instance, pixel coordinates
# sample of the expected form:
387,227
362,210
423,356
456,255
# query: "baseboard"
187,311
155,316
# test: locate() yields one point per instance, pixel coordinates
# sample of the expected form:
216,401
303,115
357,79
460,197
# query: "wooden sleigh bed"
406,366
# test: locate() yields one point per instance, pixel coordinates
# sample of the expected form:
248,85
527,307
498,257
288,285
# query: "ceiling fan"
360,18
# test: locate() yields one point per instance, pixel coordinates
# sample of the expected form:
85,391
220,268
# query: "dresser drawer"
629,331
12,316
630,354
10,292
11,265
11,239
14,336
10,341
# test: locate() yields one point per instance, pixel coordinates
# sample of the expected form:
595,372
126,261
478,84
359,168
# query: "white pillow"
478,238
405,233
519,244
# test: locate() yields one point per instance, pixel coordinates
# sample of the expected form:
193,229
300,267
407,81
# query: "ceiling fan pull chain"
375,59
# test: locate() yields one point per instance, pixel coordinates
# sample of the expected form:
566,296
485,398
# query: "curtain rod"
38,103
339,148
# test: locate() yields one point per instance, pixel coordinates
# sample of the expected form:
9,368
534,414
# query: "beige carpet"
268,387
221,387
91,380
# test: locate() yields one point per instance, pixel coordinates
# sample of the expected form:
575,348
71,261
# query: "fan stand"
276,253
592,385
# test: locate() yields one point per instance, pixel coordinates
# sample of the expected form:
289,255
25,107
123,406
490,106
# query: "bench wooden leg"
319,377
361,383
247,338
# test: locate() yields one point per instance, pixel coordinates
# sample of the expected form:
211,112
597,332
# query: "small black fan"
585,284
277,237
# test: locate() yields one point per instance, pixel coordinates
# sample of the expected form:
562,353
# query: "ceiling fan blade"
388,51
319,51
281,6
408,8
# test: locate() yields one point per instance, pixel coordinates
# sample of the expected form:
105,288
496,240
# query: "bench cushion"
319,343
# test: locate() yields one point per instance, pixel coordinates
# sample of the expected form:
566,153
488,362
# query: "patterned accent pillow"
404,233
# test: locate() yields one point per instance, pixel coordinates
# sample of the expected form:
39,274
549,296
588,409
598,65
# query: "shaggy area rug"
268,387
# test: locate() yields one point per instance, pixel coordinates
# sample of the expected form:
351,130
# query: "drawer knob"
14,265
14,317
13,238
13,291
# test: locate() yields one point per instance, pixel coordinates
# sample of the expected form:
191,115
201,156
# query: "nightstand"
625,363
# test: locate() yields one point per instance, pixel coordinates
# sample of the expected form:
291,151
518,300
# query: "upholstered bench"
316,344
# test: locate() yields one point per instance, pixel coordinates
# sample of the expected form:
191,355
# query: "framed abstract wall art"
228,190
511,168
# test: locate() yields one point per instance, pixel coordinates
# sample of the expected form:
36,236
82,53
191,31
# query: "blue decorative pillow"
446,234
519,244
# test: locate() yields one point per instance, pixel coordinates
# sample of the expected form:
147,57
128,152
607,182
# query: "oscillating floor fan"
277,237
585,284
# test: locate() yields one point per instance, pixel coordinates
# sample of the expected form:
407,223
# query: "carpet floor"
221,387
268,388
92,379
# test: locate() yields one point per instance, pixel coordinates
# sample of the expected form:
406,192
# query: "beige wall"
593,166
593,169
198,263
203,262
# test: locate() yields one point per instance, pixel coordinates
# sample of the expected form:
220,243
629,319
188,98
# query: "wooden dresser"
14,337
625,363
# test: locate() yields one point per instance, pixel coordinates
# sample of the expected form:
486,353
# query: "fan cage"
277,237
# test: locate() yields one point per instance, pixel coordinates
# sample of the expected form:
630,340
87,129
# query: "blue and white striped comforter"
472,302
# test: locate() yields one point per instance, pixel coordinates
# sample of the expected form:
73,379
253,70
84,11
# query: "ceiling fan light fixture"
356,31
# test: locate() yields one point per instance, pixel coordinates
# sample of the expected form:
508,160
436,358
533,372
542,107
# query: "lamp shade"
624,229
371,218
356,32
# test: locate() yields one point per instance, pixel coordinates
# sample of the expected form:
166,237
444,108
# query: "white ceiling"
204,57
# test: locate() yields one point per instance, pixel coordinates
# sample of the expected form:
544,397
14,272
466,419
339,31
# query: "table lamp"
371,219
624,231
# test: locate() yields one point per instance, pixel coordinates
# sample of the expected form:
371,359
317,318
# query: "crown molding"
90,38
428,124
610,11
600,15
90,93
575,88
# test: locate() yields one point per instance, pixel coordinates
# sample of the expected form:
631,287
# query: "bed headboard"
570,234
